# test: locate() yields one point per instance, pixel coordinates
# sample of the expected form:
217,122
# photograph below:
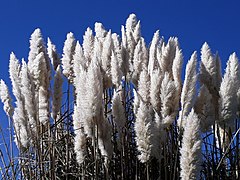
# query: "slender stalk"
237,151
42,153
147,166
11,146
37,149
180,133
136,174
123,156
95,153
5,165
229,146
8,153
67,139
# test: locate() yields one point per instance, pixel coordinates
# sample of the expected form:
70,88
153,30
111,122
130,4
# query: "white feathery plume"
124,37
177,69
145,59
190,160
118,112
81,108
117,47
116,72
228,97
52,53
40,74
215,91
162,55
106,53
43,92
57,93
168,53
205,109
174,44
43,106
94,110
104,137
79,81
130,48
37,55
79,145
131,23
89,97
158,121
28,93
208,69
36,46
159,136
155,86
14,71
104,134
228,101
95,89
80,84
67,57
100,31
81,115
79,59
19,115
233,70
143,86
189,89
207,59
116,41
93,113
125,55
80,137
176,74
98,48
159,50
88,45
143,132
137,32
6,99
20,124
36,71
35,41
153,52
136,102
168,95
137,62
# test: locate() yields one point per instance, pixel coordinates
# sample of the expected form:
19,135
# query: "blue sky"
193,22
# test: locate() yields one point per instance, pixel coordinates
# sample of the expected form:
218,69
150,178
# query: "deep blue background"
193,22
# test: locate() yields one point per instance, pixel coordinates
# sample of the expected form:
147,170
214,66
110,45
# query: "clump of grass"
121,111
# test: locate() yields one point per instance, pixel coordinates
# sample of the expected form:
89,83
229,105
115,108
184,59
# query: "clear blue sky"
193,22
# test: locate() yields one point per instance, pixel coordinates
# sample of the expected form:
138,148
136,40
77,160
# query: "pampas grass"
189,88
67,57
191,148
6,99
122,112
